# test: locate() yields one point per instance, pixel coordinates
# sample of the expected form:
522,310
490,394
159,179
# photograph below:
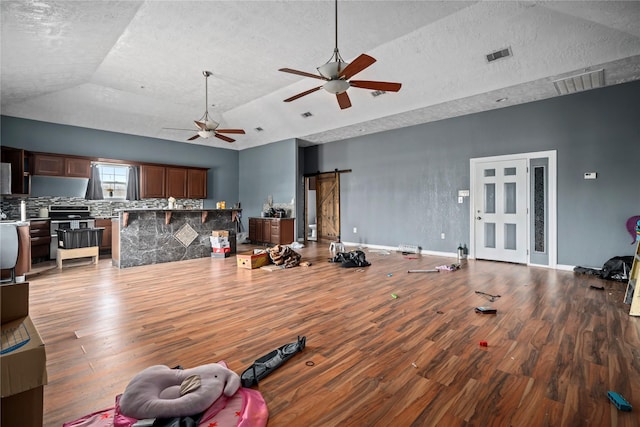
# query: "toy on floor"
270,362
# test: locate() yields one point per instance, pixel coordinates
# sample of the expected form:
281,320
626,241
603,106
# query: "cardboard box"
220,242
220,233
221,250
23,409
24,367
14,299
251,260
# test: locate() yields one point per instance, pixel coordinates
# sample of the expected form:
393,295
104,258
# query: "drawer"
35,232
40,240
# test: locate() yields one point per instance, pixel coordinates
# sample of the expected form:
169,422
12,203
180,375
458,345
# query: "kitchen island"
153,236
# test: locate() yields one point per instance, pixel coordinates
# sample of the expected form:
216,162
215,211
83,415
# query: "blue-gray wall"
403,185
268,170
52,138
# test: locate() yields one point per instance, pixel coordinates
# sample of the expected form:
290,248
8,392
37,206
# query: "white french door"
500,210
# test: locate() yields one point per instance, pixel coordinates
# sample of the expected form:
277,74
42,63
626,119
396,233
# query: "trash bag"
351,259
617,268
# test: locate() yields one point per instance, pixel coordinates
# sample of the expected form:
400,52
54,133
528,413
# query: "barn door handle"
478,217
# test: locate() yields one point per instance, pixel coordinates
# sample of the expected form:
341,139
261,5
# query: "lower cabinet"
276,231
105,245
40,233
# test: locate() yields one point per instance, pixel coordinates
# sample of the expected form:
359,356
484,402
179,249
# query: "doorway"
322,204
513,208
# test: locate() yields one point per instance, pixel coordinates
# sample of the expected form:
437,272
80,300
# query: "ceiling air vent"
307,114
503,53
584,81
259,129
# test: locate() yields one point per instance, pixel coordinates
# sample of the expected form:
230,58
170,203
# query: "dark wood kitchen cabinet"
56,165
105,244
275,231
197,184
176,182
20,175
152,182
167,181
40,233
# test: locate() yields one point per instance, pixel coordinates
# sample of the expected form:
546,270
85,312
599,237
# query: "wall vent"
307,114
580,82
503,53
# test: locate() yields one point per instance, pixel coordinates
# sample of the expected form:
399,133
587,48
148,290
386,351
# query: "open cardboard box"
23,366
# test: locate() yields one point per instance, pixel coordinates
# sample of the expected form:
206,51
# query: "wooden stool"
92,251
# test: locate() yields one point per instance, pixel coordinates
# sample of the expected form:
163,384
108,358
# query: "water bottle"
460,252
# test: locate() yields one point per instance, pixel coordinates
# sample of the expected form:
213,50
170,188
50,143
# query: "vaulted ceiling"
135,67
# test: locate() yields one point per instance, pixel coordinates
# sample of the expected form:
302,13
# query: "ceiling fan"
336,72
207,126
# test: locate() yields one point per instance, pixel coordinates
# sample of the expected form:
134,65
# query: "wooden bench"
92,251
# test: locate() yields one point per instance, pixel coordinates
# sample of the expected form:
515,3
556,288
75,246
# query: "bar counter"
153,236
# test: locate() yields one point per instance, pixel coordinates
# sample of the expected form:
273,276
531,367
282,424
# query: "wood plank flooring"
555,347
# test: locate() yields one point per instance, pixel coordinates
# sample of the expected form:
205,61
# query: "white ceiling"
135,67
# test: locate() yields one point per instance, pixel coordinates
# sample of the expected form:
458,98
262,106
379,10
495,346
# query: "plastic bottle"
460,252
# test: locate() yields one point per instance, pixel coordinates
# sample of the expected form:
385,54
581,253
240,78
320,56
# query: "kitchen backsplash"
99,208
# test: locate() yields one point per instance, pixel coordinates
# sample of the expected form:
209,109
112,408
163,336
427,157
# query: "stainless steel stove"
67,217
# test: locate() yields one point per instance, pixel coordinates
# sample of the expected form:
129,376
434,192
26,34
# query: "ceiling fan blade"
201,125
300,95
343,100
301,73
230,131
196,136
368,84
224,138
360,63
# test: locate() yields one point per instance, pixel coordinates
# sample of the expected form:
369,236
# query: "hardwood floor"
555,347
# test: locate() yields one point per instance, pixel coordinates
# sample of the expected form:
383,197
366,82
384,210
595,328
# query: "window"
114,180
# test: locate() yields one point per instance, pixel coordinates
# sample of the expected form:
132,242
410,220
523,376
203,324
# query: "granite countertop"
174,210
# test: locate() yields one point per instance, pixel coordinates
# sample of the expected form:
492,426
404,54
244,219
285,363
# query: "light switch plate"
590,175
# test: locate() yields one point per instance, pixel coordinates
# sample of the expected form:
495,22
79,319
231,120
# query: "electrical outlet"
355,230
442,236
460,199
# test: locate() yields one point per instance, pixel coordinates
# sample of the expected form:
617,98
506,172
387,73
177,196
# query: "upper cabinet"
56,165
176,182
20,177
152,182
197,184
181,183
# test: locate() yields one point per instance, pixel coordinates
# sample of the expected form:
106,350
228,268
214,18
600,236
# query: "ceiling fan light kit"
336,72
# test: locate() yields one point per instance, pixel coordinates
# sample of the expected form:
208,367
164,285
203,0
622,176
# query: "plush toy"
162,392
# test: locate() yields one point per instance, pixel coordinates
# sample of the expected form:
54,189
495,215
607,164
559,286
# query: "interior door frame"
306,199
552,201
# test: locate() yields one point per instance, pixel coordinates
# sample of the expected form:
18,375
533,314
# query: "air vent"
585,81
259,129
307,114
377,93
503,53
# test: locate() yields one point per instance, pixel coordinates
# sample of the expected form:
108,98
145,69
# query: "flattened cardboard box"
25,367
14,303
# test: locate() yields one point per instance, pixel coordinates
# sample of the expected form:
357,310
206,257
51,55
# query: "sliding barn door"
328,205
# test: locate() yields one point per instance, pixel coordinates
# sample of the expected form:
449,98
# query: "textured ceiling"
136,67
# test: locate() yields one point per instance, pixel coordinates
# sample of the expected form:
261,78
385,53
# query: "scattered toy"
491,298
394,296
414,365
486,310
599,288
389,275
620,402
484,344
451,267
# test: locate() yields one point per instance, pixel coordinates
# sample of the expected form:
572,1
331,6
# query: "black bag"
351,259
617,268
